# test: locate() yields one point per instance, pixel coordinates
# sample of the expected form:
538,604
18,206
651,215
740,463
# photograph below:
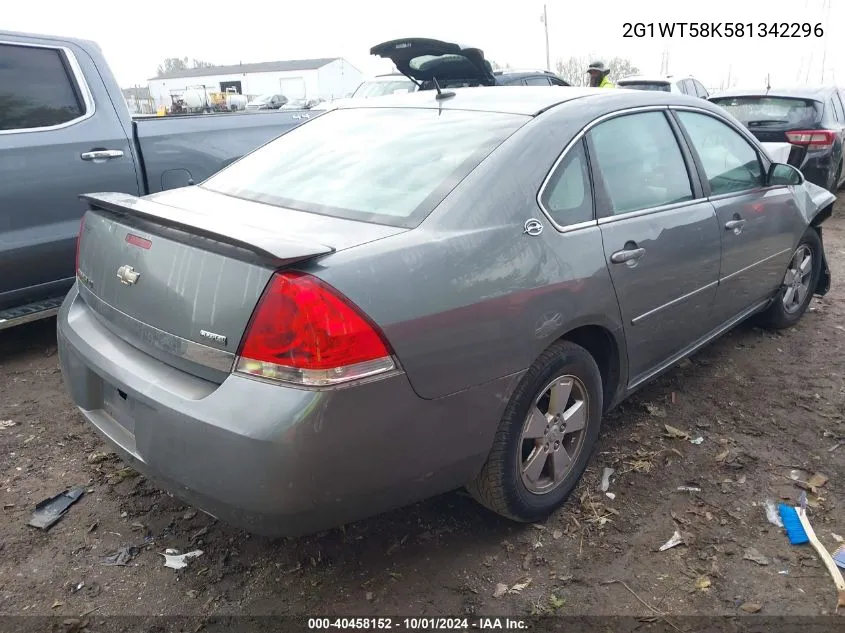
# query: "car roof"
525,100
802,92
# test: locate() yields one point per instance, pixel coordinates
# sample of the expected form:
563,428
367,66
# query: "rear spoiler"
257,240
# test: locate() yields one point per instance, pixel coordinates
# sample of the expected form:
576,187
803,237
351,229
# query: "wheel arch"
607,347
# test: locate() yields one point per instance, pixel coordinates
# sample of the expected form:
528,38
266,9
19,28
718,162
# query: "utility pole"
826,27
545,20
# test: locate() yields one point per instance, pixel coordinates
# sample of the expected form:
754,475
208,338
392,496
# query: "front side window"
639,162
36,89
730,163
567,197
384,165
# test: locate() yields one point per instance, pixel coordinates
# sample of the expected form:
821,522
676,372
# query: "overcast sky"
137,36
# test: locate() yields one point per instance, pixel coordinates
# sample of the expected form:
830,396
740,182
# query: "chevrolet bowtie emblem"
127,275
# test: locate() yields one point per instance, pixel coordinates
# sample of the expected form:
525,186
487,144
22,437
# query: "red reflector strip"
138,241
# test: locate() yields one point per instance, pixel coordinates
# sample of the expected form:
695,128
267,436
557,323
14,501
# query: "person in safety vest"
598,76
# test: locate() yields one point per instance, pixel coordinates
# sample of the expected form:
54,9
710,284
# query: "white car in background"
666,83
379,86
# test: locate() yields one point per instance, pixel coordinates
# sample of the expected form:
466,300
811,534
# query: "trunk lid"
424,59
178,274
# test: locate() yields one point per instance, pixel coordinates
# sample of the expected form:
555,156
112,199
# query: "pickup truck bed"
65,130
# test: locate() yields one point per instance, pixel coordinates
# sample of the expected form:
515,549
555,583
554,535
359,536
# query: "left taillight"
304,332
78,240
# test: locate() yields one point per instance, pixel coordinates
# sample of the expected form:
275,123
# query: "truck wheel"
545,437
798,286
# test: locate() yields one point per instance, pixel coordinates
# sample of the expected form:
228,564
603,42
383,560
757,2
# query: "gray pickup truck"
65,130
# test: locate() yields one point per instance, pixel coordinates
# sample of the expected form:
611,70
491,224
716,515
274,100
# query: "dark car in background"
426,61
810,118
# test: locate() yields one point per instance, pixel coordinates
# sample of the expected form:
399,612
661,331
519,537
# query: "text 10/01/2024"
722,29
418,624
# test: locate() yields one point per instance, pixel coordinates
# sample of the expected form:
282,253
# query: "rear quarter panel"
468,297
182,150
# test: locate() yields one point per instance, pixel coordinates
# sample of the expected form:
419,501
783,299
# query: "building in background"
325,78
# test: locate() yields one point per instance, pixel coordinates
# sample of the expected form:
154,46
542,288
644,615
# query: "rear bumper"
271,459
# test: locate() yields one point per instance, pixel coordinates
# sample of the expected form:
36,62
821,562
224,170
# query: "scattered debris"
202,532
688,489
557,603
97,457
677,539
676,434
605,479
697,441
772,513
370,596
50,511
7,424
522,584
610,495
836,537
175,560
501,590
56,604
751,607
557,534
817,480
122,474
655,410
723,456
702,583
121,557
189,514
754,555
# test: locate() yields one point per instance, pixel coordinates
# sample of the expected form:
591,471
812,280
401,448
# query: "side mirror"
782,174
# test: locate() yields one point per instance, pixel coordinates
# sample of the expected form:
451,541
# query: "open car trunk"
425,60
181,280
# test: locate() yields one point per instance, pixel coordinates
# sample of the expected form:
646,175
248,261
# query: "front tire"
799,284
545,437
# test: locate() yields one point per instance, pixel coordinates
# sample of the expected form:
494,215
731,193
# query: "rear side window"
567,197
836,108
36,89
639,162
730,162
778,112
536,81
384,165
700,90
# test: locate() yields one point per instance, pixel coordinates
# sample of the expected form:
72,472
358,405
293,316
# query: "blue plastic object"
792,524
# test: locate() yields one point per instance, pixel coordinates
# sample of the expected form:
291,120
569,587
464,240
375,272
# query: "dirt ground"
764,405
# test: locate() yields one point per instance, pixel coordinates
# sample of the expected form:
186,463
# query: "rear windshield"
658,86
771,111
383,165
381,88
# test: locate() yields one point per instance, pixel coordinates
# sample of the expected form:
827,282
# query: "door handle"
734,225
628,255
101,154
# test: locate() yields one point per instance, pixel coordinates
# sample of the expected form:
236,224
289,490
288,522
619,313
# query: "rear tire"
545,437
836,185
798,286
